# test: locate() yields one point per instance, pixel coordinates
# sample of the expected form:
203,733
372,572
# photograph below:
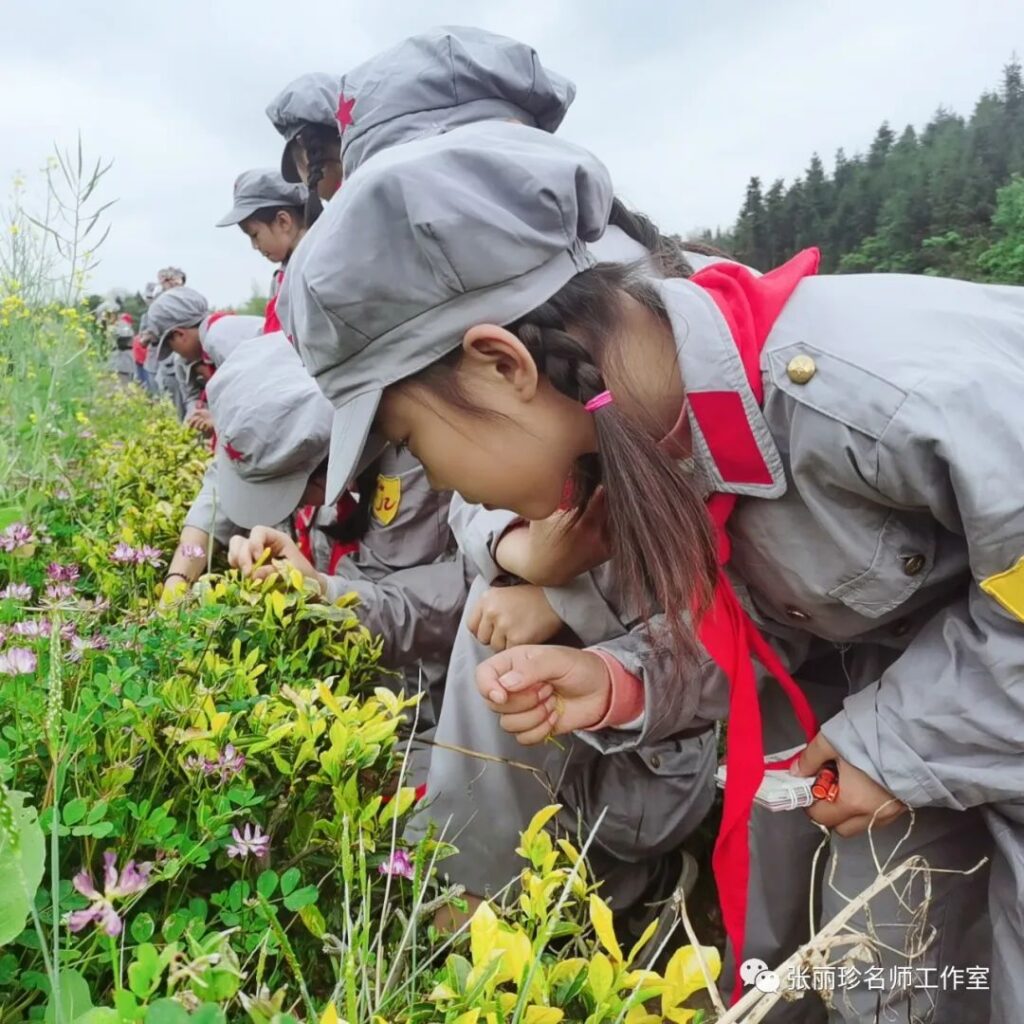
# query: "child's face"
275,240
185,342
515,445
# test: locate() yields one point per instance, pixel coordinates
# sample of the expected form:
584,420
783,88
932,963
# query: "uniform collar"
733,448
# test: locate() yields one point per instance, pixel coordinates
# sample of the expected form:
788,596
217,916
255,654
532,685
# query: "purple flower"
68,631
123,553
100,604
60,591
18,661
62,573
32,627
193,551
81,644
15,536
132,879
62,495
228,764
251,839
150,555
397,864
16,592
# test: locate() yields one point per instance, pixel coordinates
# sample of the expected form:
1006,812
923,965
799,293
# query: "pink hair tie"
599,401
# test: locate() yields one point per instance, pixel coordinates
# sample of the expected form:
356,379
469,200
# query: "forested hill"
948,199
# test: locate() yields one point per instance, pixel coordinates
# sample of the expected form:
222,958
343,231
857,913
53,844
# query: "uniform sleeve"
191,389
205,513
416,611
943,724
588,606
477,532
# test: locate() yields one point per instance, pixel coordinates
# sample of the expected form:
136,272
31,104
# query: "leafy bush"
202,806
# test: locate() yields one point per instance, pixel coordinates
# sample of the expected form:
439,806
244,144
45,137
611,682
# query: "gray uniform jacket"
410,578
892,525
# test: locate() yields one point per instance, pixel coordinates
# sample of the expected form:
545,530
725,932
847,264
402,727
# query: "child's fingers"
525,721
498,641
473,622
531,737
488,675
516,702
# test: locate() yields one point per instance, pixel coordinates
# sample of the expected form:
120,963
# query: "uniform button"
656,761
796,615
901,628
913,564
801,369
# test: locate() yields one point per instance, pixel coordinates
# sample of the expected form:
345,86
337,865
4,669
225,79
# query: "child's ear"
498,352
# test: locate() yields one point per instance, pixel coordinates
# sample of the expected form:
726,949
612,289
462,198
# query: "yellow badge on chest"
1008,589
387,499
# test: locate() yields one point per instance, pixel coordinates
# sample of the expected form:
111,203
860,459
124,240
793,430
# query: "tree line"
946,200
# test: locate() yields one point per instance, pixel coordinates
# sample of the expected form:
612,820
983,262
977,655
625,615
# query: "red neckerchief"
750,306
271,323
304,520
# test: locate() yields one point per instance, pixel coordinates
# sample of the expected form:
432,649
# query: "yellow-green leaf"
601,976
683,975
539,820
642,941
469,1017
483,934
330,1015
601,918
543,1015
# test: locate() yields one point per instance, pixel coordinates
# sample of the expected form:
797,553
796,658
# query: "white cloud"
683,100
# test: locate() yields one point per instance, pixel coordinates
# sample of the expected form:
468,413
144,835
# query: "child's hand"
554,551
545,691
510,616
201,420
267,544
861,804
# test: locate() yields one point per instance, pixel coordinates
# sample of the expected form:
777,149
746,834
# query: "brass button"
796,615
655,761
913,564
801,369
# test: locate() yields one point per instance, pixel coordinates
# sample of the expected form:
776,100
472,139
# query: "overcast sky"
684,101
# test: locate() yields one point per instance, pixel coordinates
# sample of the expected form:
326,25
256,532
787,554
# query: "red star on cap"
233,453
344,114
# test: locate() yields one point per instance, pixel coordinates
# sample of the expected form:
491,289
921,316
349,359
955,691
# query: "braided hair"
662,542
317,140
669,251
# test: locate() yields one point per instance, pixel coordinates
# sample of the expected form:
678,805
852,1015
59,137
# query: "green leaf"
100,1015
208,1013
166,1011
301,897
75,999
142,927
144,973
21,864
266,884
289,880
74,811
96,812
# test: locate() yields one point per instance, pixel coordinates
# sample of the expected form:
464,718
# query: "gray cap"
221,337
259,189
174,308
310,99
273,430
483,223
439,80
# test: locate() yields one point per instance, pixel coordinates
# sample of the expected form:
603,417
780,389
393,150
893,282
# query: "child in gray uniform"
846,447
430,83
273,433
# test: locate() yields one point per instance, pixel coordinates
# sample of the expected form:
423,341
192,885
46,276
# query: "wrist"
625,695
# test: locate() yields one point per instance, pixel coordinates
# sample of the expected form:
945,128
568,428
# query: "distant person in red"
271,213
